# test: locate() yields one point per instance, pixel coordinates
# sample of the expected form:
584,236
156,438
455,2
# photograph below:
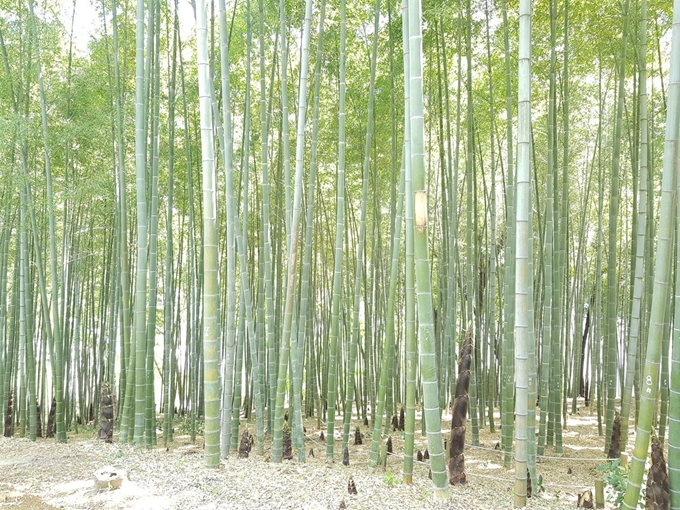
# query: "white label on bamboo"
420,206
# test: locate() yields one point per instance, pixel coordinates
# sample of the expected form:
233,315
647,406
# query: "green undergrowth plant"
390,480
615,477
184,426
539,484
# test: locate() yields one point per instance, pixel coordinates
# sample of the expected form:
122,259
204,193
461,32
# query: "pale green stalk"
56,320
168,284
649,385
431,410
306,266
142,229
523,290
150,415
359,265
211,325
285,129
123,223
291,275
265,232
612,280
226,143
507,364
636,305
671,150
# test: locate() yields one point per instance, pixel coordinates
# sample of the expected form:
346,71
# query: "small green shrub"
539,485
184,426
615,480
390,480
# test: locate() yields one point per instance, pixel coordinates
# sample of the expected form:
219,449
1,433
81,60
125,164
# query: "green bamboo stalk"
411,356
388,343
524,255
596,386
471,315
225,135
291,275
452,172
226,143
550,344
24,311
491,308
671,167
562,284
431,410
546,344
140,337
168,284
359,265
265,230
123,223
612,283
640,244
210,240
662,272
507,368
309,223
56,320
150,414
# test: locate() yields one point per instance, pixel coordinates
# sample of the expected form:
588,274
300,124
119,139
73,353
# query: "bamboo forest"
418,253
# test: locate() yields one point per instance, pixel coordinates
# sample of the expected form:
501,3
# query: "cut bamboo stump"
108,478
599,494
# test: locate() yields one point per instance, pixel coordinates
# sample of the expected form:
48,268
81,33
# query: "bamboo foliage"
252,317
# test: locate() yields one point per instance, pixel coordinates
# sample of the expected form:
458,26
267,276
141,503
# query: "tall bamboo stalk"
523,293
662,278
211,324
614,194
431,410
291,272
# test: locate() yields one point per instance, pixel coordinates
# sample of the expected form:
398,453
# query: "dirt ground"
48,475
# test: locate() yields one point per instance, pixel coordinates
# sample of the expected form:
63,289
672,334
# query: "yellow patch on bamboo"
420,206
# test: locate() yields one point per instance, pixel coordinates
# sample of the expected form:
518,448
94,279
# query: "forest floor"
47,475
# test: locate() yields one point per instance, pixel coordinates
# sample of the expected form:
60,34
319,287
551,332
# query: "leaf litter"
49,475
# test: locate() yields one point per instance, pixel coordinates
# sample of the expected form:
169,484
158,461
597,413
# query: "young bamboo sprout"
287,444
351,486
457,443
106,418
658,494
8,415
614,445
